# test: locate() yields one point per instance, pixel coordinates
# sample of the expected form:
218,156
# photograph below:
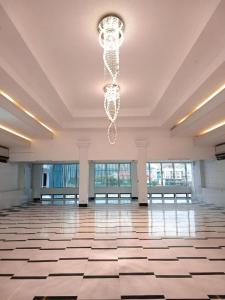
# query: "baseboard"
83,205
143,204
36,200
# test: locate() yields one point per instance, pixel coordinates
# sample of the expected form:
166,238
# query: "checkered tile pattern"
112,252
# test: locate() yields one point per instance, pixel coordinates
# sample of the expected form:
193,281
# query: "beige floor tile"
97,289
139,285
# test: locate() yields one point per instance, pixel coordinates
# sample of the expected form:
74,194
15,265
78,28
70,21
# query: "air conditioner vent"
220,151
4,154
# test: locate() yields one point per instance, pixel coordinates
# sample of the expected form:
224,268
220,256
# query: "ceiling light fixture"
209,98
111,38
15,132
6,96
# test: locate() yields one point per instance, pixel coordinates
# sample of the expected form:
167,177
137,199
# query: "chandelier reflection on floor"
110,38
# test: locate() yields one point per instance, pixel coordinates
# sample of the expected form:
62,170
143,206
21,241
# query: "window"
156,195
125,195
44,180
100,195
168,176
113,195
46,196
179,174
169,173
100,175
154,174
189,174
60,175
70,196
124,175
112,175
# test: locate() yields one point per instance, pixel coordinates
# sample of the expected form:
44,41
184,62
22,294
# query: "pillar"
83,146
141,172
91,180
134,188
198,178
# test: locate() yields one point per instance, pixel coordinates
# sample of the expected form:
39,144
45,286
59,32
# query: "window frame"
108,169
173,180
50,176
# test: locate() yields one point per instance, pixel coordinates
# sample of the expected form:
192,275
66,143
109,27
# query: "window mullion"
161,174
173,174
186,182
118,174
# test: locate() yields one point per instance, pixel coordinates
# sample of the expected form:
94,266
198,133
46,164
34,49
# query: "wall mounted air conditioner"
220,151
4,154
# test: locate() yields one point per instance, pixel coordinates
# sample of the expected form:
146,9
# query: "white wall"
214,174
14,184
8,177
213,189
161,146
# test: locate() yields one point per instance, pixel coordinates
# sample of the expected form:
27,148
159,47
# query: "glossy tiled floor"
112,252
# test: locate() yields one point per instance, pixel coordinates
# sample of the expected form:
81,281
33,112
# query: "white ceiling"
173,57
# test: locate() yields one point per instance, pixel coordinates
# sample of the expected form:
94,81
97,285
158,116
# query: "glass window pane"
100,195
112,174
124,175
100,175
69,175
156,195
168,178
189,173
47,170
155,174
60,175
179,174
148,173
125,195
113,195
46,196
57,176
70,196
168,195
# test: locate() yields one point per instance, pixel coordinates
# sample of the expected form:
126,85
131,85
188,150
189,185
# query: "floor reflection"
165,220
171,222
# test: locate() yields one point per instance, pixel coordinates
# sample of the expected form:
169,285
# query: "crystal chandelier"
110,38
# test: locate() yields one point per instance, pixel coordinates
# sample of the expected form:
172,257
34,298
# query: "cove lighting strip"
219,90
6,96
217,125
15,132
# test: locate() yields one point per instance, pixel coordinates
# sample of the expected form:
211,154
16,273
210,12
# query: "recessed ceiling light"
6,96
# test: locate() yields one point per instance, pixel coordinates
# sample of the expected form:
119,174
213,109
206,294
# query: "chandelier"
111,38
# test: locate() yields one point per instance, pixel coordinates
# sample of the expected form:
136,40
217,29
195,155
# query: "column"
36,182
198,178
134,189
141,172
83,146
91,180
